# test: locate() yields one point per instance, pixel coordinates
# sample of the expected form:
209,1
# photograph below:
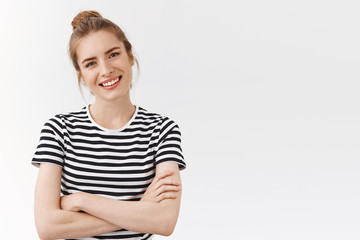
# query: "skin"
112,108
158,210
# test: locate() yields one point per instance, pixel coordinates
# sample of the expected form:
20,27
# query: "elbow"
167,232
44,231
167,227
166,221
46,228
44,237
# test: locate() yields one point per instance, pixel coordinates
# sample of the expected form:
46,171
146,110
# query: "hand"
71,202
162,187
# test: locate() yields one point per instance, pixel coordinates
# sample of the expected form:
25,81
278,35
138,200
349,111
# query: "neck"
112,114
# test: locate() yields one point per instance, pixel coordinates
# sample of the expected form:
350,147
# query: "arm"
52,222
143,216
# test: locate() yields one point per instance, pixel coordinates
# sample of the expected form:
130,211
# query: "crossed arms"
56,217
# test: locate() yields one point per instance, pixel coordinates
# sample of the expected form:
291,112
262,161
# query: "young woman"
110,170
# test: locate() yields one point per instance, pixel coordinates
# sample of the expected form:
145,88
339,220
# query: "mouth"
111,82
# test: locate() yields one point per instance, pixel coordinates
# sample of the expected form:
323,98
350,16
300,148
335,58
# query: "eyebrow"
107,52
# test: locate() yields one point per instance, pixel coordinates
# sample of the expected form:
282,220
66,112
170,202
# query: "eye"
114,54
89,64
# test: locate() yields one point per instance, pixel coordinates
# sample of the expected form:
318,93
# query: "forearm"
66,224
148,217
52,221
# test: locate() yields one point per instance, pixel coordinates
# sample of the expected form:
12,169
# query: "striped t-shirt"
118,164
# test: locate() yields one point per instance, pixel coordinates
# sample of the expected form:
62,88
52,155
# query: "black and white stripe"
118,164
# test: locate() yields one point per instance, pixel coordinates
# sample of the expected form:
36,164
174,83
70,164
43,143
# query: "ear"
81,79
131,58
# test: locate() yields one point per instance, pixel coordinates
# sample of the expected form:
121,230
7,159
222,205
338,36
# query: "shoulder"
164,127
61,120
163,122
72,116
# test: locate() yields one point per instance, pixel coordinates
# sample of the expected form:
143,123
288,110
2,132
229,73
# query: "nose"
106,69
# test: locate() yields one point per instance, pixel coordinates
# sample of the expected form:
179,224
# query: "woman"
115,164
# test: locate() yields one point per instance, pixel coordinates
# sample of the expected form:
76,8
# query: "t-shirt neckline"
108,129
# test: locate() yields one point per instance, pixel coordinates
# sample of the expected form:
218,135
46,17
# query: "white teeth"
111,82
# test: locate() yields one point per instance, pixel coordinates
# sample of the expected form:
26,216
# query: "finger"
166,181
163,175
166,195
167,188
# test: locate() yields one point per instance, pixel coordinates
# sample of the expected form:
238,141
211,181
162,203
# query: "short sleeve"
169,144
51,144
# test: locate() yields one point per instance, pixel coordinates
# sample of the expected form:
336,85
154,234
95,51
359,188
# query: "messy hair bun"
84,15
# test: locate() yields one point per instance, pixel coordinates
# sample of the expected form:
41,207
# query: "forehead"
96,44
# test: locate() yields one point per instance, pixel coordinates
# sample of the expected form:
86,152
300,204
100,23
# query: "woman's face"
105,66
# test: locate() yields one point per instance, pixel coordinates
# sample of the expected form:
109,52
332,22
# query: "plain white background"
266,94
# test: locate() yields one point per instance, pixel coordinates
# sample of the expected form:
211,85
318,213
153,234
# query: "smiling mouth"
110,83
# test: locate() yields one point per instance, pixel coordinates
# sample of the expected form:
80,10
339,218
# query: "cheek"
89,77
